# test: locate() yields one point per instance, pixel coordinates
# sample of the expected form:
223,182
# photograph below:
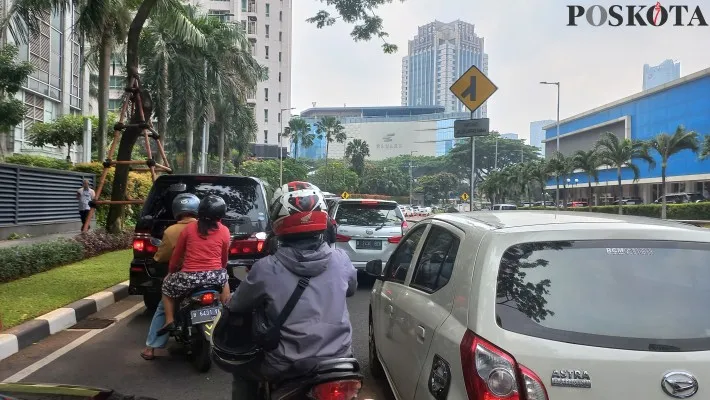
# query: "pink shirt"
201,253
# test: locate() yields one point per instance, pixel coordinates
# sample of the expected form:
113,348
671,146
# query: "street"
110,358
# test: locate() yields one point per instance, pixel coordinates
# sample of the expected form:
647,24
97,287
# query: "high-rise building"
438,55
660,74
537,134
58,85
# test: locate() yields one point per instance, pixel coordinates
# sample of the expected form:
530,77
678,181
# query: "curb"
26,334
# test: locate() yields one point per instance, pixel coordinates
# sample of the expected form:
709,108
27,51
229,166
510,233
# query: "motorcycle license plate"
207,314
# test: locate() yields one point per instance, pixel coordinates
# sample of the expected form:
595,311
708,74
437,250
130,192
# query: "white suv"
537,305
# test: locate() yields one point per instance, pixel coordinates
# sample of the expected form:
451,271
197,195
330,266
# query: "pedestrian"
85,195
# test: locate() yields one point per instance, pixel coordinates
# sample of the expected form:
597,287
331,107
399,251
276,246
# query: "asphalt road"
110,358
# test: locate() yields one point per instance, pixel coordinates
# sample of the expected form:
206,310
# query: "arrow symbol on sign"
471,90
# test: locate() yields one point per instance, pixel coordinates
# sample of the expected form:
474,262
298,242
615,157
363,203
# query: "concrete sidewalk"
38,239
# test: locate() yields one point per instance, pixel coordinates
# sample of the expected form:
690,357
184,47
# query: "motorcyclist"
184,208
319,326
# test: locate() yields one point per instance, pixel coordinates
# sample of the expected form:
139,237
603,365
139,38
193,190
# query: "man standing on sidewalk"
85,195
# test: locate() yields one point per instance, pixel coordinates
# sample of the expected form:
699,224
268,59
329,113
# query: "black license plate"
207,314
368,244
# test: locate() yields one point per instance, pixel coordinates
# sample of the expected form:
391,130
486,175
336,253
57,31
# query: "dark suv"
247,219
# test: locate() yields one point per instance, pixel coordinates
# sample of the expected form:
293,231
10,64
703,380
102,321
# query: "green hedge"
688,211
38,161
25,260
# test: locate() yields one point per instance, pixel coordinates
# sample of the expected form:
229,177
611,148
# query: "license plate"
207,314
368,244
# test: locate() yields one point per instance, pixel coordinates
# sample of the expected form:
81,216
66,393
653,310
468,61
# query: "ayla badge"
637,15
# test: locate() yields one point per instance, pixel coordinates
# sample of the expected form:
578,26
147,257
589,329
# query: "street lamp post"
281,157
557,136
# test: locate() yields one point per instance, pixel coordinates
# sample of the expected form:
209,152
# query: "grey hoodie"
319,326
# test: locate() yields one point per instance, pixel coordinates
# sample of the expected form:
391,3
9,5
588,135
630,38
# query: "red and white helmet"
298,208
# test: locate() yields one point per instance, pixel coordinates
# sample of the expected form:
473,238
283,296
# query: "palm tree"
588,161
300,133
619,153
331,129
357,150
668,145
539,173
561,167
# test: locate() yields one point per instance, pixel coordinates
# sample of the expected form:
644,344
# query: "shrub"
38,161
687,211
99,241
25,260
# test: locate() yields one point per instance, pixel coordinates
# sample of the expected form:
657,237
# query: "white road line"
69,347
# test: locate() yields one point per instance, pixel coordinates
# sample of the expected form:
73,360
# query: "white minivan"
538,305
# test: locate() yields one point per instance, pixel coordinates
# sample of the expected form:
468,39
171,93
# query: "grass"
39,294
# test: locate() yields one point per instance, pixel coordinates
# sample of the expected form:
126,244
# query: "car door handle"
421,334
389,309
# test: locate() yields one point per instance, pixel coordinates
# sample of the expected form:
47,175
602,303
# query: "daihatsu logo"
680,385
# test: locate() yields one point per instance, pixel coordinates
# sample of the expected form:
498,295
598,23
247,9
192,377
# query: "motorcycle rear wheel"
200,356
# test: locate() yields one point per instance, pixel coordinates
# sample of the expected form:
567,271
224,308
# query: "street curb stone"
24,335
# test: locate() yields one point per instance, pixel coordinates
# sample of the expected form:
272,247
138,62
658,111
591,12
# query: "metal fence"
30,195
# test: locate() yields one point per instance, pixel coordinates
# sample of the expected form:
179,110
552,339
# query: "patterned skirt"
180,283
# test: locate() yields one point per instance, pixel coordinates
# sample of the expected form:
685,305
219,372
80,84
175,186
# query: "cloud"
527,42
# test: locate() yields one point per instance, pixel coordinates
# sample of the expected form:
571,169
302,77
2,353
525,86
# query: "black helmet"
232,347
185,203
212,207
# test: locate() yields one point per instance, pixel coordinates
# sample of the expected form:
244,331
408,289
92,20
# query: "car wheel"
378,372
151,301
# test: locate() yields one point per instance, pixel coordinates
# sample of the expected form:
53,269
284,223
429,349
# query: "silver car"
368,229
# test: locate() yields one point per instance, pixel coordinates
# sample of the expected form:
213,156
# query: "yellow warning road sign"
473,88
345,195
464,196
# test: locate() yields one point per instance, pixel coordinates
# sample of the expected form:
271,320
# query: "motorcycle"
336,379
194,319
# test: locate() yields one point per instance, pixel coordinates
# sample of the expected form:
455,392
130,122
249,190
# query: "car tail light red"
143,245
254,244
492,374
207,298
405,225
342,238
337,390
394,239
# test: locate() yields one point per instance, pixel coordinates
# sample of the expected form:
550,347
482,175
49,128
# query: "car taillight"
143,245
395,239
342,238
405,225
254,244
207,298
492,374
337,390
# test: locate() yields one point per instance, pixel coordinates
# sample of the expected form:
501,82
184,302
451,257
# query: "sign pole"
473,168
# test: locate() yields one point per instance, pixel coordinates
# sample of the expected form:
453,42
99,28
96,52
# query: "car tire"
378,372
151,301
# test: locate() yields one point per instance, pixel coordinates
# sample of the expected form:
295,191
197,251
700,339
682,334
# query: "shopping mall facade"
388,131
685,101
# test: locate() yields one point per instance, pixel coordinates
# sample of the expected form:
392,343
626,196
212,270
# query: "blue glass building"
684,101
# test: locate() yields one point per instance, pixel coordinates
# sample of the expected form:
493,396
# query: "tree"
560,167
668,145
268,170
300,133
67,130
619,153
588,161
437,186
539,173
332,130
356,151
12,76
335,178
390,181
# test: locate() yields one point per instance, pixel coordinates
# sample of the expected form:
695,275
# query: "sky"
527,42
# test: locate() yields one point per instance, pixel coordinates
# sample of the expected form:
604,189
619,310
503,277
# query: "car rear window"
369,214
243,196
625,294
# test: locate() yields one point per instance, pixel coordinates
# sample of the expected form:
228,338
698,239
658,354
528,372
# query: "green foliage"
356,151
391,181
67,130
38,161
12,76
437,186
688,211
25,260
300,133
335,178
268,170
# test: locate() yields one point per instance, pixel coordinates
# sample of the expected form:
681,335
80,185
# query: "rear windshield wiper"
386,221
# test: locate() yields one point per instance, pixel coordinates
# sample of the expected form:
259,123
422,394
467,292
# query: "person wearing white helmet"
318,326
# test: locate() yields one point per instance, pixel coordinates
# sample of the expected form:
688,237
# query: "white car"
538,305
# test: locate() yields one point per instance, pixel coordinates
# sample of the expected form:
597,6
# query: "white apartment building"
267,24
58,86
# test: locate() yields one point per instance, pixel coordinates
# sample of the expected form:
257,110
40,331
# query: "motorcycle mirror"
155,242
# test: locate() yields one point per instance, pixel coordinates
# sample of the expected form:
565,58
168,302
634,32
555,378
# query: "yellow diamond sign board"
464,196
473,88
345,195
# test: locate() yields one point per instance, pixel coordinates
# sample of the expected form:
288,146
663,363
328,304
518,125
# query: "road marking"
69,347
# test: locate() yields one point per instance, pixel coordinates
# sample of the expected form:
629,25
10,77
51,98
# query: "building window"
244,25
281,15
266,52
281,36
244,5
279,97
266,137
266,115
279,56
116,82
222,15
278,119
267,30
279,76
266,94
268,9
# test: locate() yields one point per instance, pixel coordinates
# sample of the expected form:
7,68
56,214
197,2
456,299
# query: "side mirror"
374,268
156,242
